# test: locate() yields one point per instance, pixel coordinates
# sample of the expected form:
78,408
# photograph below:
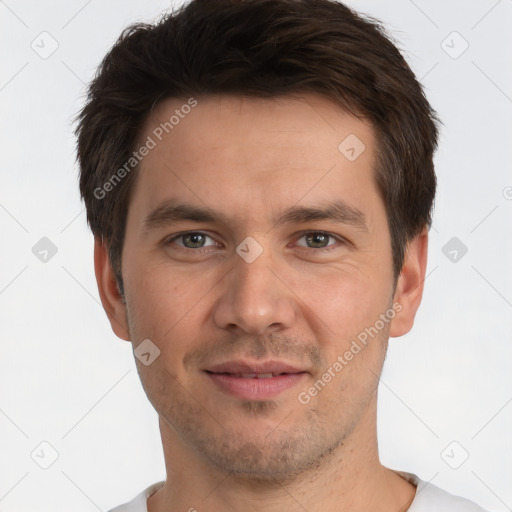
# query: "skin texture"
251,159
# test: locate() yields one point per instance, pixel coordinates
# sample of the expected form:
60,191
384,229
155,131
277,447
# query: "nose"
254,297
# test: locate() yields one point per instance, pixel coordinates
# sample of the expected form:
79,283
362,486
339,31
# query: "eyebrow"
338,211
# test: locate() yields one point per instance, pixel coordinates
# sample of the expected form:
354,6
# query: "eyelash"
201,250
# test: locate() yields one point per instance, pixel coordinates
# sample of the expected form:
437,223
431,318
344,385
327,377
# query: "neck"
349,479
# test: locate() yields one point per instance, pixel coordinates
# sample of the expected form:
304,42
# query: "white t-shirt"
429,498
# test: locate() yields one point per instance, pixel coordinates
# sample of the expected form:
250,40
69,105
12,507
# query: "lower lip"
255,389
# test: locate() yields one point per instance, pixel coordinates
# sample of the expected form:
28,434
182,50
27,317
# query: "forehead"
245,153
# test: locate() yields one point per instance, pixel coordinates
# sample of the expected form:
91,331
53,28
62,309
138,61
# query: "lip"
228,378
239,367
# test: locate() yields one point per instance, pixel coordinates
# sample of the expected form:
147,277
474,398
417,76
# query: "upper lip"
243,367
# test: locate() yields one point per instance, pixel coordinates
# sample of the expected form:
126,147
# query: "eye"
191,240
318,240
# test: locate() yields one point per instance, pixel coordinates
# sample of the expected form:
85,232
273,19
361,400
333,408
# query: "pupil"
317,238
195,239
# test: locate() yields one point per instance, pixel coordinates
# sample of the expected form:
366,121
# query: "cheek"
156,300
346,300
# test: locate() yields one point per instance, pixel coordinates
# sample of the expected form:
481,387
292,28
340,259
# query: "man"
258,176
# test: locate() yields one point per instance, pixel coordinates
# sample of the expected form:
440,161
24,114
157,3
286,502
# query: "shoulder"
138,504
430,498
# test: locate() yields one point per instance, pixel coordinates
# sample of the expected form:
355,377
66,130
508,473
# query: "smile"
265,382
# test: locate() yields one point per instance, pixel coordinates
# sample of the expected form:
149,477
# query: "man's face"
259,292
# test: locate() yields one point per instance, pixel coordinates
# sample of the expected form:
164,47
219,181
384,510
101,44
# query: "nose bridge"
253,298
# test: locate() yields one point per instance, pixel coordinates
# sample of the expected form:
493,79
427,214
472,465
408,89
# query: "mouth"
258,381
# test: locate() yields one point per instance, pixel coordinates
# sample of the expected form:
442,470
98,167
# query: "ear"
409,288
110,296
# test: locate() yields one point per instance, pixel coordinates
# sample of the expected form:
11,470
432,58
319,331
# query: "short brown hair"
262,48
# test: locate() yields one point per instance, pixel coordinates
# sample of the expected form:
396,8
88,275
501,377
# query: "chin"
277,460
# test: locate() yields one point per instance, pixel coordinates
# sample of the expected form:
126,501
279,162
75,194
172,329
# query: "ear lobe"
111,299
409,288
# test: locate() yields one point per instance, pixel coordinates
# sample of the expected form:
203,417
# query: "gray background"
66,381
